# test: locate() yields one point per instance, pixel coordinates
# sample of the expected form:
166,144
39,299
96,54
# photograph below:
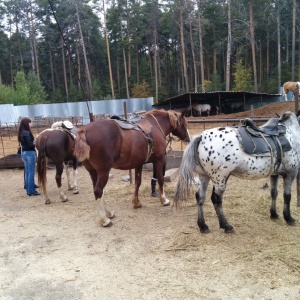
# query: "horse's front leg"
138,179
160,170
274,193
217,200
287,187
59,171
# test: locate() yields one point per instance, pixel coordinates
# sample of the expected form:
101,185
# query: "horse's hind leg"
287,184
99,180
59,171
217,200
274,193
75,173
200,198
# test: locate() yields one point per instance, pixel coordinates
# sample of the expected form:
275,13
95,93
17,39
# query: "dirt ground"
59,251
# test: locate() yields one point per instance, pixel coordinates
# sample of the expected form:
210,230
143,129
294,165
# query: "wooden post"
296,97
125,115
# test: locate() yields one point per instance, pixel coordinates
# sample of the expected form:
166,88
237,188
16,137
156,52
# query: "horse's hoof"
47,201
166,203
107,223
111,215
75,192
204,229
137,205
228,229
291,221
274,216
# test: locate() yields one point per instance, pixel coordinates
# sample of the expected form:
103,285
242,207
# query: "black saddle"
268,138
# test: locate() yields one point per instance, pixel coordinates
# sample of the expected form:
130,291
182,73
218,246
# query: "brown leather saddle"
261,140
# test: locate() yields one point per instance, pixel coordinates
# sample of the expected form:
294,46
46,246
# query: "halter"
169,140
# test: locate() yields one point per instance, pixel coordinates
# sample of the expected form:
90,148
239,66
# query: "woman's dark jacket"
27,141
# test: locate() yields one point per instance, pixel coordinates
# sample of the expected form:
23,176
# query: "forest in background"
70,50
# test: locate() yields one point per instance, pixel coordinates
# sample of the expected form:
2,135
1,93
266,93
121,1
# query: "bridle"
169,138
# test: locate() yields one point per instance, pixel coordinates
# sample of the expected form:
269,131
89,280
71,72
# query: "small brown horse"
58,145
290,86
103,144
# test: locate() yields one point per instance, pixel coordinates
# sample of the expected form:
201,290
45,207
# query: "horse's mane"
174,116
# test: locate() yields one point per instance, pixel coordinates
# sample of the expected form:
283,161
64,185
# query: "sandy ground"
59,251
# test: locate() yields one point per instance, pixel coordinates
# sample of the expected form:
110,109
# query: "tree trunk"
125,64
87,72
64,69
253,45
36,58
293,39
108,53
185,75
201,47
193,57
229,41
278,47
51,67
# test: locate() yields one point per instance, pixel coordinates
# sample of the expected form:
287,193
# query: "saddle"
65,126
144,127
266,140
133,123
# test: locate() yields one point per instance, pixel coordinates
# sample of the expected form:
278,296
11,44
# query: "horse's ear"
298,113
183,113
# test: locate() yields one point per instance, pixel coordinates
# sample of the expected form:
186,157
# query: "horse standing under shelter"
247,152
198,109
290,86
57,144
105,144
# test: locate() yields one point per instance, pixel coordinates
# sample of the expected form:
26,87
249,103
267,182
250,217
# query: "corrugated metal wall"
10,114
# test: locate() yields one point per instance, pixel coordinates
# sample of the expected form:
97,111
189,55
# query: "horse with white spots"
218,153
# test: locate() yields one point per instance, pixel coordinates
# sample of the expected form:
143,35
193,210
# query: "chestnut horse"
290,86
57,144
104,144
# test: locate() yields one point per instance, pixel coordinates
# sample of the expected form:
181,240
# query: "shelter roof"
209,97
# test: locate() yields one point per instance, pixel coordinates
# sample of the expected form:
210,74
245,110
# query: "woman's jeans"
29,159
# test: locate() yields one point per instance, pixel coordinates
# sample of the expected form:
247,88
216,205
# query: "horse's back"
58,144
123,148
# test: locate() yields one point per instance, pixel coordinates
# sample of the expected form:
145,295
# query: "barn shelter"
228,102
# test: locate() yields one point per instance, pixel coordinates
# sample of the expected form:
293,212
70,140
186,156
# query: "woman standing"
26,140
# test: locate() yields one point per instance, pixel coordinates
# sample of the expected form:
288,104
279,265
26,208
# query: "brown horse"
290,86
103,144
56,144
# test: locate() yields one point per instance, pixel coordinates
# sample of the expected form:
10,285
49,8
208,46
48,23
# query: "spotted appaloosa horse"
290,86
216,154
57,144
105,144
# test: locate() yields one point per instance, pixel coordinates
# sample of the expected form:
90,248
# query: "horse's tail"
82,148
42,163
186,177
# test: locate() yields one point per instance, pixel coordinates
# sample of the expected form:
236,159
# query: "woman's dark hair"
24,125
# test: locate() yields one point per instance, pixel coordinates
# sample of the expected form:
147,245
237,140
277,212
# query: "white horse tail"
186,176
